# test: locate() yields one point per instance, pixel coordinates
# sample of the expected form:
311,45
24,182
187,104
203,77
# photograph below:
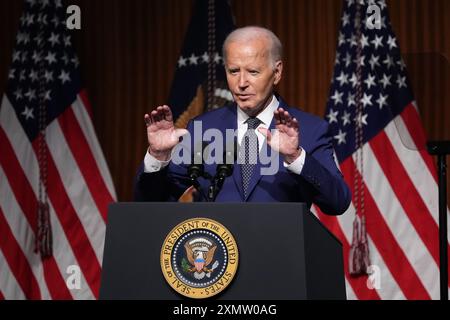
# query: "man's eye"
233,71
253,72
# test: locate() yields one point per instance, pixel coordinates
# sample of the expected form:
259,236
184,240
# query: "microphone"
196,168
229,158
223,170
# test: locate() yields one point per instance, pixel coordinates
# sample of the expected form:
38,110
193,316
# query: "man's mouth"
243,96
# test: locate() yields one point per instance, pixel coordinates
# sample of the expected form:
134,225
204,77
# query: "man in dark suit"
305,169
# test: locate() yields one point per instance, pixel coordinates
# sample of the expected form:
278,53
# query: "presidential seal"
199,258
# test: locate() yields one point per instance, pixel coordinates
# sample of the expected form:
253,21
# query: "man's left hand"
285,139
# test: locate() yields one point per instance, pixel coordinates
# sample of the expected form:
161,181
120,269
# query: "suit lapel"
229,121
237,177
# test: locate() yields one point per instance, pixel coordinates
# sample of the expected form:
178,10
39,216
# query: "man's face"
251,76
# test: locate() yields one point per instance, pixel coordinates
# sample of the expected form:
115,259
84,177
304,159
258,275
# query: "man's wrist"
151,164
161,156
291,158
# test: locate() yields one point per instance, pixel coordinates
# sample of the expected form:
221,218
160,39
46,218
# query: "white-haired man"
307,171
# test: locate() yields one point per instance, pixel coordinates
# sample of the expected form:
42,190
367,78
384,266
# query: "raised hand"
161,133
285,139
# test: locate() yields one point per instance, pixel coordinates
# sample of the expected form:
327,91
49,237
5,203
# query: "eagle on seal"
200,254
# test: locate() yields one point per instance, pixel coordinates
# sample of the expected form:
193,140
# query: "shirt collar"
265,116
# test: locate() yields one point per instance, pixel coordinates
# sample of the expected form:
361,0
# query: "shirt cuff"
151,164
296,166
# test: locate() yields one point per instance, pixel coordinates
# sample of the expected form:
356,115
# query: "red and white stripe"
401,210
79,189
9,287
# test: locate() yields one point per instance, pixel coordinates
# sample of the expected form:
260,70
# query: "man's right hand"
161,133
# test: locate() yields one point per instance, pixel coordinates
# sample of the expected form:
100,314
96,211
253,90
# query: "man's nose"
243,83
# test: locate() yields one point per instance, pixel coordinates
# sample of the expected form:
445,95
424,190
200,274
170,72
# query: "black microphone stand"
223,171
194,172
441,149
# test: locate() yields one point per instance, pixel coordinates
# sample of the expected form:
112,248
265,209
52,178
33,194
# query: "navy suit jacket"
320,181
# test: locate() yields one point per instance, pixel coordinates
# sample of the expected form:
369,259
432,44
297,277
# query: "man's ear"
278,71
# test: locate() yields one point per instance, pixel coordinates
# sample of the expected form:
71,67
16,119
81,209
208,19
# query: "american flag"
199,83
44,91
380,146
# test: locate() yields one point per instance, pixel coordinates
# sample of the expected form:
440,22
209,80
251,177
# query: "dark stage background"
128,52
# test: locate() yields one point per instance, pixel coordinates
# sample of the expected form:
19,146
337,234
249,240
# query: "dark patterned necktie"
249,155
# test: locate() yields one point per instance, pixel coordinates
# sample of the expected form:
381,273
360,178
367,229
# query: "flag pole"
441,149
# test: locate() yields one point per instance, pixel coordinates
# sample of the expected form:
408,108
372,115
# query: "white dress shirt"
151,164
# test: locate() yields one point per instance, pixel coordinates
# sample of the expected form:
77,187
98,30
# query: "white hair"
249,33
